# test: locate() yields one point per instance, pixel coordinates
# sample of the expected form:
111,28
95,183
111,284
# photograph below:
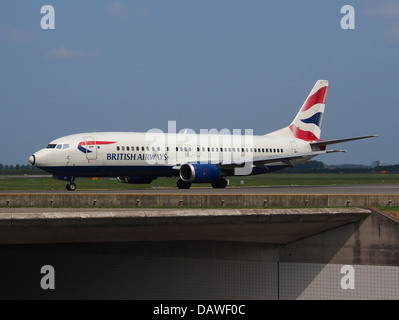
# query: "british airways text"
134,156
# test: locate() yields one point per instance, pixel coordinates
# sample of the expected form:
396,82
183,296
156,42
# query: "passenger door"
91,148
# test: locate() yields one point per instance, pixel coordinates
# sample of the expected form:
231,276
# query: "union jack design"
97,144
307,123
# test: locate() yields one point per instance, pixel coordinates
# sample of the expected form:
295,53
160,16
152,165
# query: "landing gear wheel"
183,185
221,183
71,186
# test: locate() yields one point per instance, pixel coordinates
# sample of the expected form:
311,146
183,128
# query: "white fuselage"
111,153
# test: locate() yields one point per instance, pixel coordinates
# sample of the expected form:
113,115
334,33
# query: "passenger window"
123,148
117,148
142,148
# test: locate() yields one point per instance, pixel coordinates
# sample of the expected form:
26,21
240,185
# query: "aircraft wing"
287,159
263,161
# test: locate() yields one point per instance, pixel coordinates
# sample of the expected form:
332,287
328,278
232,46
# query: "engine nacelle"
136,180
196,172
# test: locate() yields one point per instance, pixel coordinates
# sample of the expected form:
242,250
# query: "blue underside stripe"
131,171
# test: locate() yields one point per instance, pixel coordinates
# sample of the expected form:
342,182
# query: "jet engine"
196,172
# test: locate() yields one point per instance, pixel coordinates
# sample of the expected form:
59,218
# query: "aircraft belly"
113,171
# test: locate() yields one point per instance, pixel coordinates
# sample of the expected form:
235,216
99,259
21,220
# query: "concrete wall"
371,241
185,270
334,254
192,200
304,281
273,226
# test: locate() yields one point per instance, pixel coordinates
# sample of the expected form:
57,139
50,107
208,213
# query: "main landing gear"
221,183
71,186
183,185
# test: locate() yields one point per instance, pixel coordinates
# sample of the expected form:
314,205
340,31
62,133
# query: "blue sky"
135,65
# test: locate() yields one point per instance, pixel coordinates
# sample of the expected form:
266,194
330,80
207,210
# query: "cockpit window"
59,146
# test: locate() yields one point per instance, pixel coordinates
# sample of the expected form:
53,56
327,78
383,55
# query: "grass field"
391,211
13,183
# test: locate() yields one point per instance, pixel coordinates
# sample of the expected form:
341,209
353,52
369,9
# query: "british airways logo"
84,146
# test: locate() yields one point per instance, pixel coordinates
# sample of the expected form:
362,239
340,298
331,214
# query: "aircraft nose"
32,159
39,159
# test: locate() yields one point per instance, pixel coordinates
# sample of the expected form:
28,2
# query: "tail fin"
307,123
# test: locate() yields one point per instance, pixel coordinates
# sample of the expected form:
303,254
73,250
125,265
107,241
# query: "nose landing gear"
70,186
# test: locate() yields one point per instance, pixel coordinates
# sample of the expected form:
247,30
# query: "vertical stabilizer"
307,123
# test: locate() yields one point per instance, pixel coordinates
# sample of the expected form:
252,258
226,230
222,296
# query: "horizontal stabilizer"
327,142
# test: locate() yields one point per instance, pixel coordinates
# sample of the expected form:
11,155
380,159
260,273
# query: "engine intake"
196,172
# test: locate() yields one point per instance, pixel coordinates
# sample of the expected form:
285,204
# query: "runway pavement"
371,189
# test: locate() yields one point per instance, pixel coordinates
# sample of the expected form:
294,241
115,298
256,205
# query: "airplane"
139,158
